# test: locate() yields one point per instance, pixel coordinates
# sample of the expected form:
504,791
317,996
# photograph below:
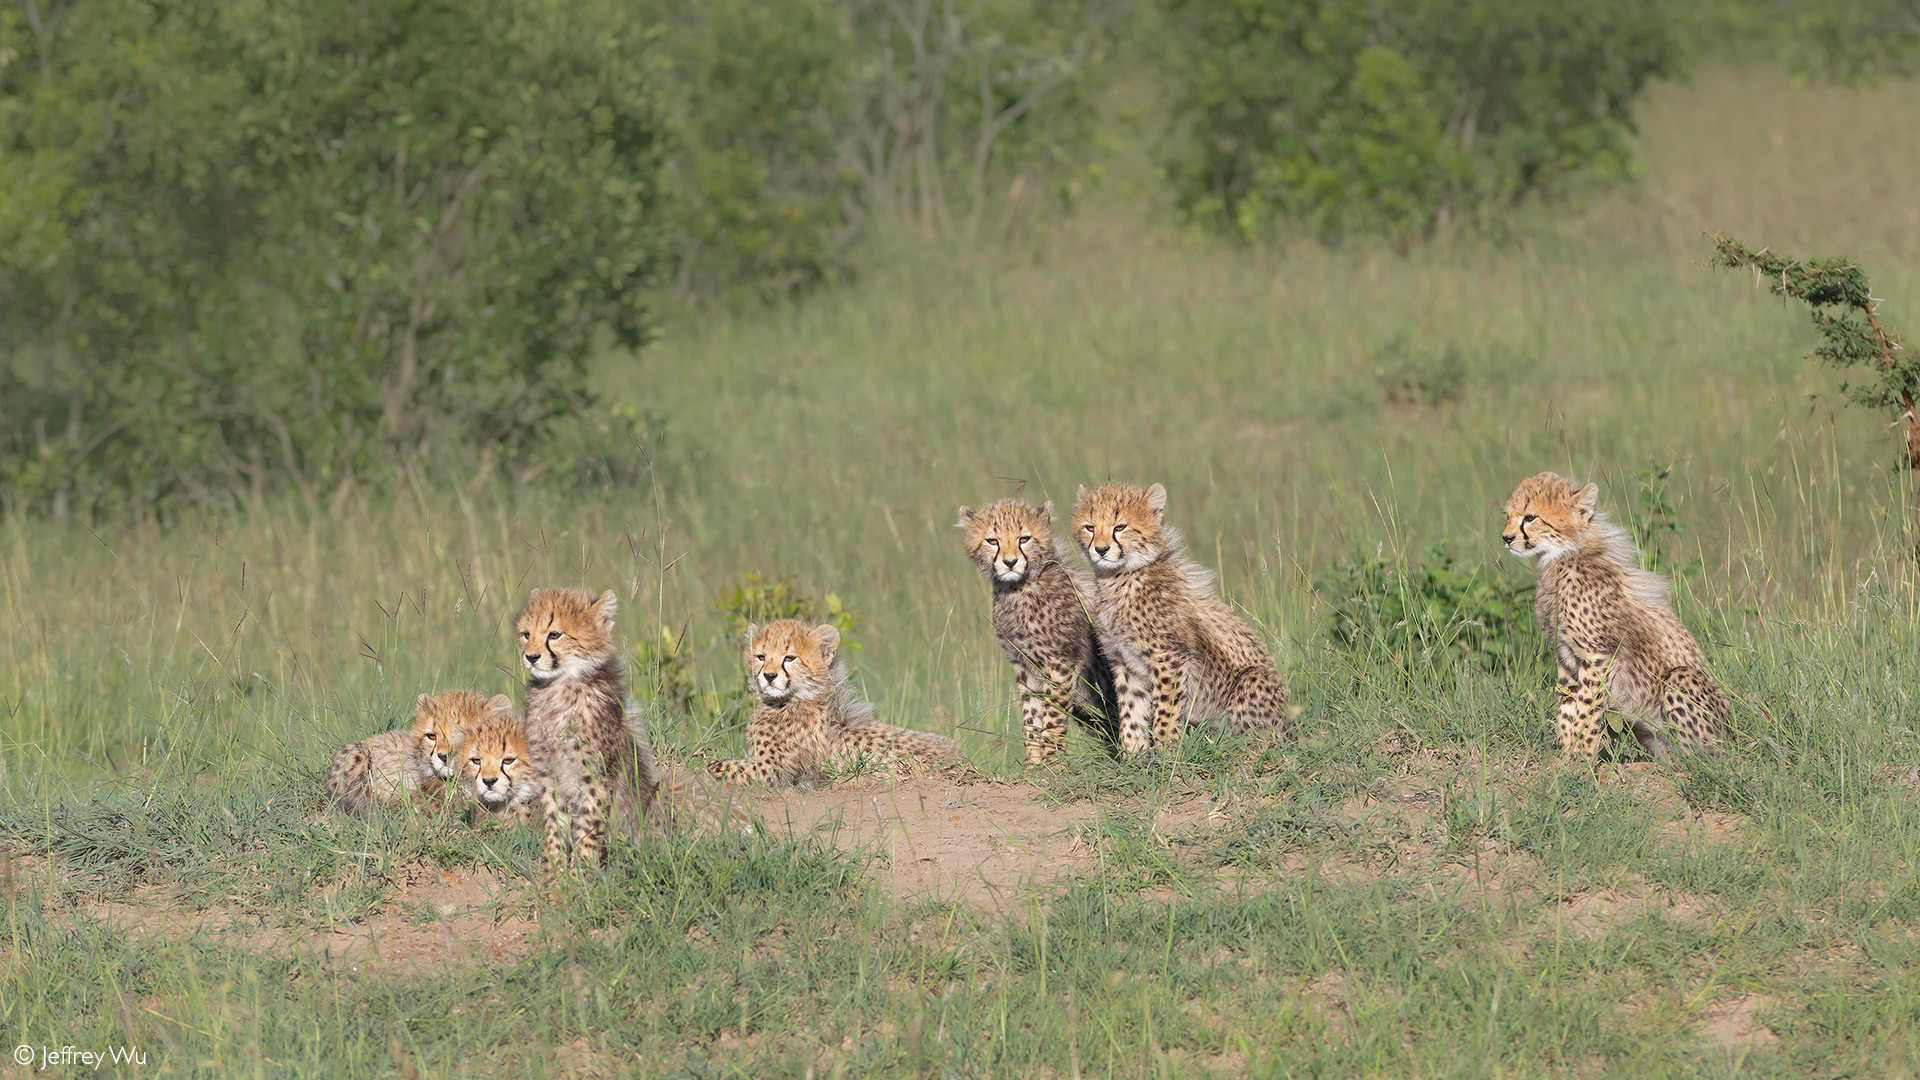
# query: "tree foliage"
298,241
1394,115
1845,315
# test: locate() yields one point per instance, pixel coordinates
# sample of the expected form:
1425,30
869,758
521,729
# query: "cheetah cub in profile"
1042,616
397,766
809,715
1609,622
1179,653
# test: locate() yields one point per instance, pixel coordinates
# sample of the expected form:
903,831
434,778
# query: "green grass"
1412,888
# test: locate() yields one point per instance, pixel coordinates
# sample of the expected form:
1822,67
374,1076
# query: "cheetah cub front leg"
1136,707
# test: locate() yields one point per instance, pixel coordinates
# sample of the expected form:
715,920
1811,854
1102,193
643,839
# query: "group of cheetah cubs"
1137,646
1145,640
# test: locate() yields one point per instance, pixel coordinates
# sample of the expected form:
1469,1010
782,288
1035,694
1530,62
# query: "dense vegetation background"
328,330
252,248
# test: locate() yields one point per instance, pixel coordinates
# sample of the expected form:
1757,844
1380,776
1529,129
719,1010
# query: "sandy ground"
980,843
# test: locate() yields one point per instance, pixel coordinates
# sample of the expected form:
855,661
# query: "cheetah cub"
809,715
599,768
598,756
1042,616
1609,622
1179,653
505,766
395,767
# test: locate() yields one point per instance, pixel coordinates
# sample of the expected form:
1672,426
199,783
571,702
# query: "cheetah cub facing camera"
809,715
1042,616
504,766
394,767
1611,628
1179,653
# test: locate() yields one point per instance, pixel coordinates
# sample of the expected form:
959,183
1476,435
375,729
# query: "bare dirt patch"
1735,1023
1592,914
982,844
435,918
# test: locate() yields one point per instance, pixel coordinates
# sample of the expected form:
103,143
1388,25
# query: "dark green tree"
1395,115
245,244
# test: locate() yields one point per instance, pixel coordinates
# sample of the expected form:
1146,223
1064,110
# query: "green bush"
247,244
1392,116
1430,617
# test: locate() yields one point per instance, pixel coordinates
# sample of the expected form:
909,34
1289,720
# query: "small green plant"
666,661
1845,312
1411,378
1655,520
756,600
1440,612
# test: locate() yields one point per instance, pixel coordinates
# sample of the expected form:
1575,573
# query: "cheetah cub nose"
1506,537
533,658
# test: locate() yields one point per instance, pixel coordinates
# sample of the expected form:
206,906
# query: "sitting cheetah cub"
1167,633
1609,622
809,715
394,767
1041,614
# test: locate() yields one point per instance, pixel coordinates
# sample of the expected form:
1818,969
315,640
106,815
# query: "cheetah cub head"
441,722
565,632
1548,516
789,659
1009,538
500,769
1120,527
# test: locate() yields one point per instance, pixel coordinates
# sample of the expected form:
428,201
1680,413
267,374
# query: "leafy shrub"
245,244
756,600
1439,614
1390,117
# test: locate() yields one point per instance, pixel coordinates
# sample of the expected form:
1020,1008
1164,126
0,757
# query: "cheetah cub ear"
1046,509
606,607
1587,501
1081,495
966,516
1157,500
829,640
500,703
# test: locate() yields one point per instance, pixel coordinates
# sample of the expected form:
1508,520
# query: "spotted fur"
1042,614
576,704
1180,655
504,766
395,767
809,715
600,759
1610,624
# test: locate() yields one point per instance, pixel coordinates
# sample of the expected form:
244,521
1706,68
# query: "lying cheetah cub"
1609,622
1179,653
505,766
393,767
1042,615
809,715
